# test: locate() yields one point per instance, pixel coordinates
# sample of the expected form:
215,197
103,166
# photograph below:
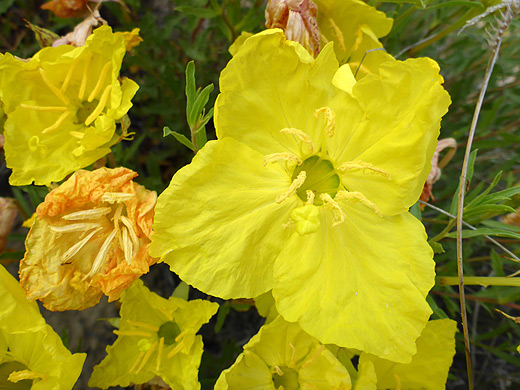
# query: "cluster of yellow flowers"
301,203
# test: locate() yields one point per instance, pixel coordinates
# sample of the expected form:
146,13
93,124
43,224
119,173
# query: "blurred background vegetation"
177,32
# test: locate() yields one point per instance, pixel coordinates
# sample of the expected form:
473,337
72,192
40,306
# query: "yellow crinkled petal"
65,265
365,288
144,312
228,229
132,38
281,347
265,305
271,84
392,123
233,49
62,107
428,369
367,378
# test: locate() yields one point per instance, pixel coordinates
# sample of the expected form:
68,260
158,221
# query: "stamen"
181,335
358,196
313,357
143,325
166,313
297,183
74,249
338,35
127,246
330,118
66,82
56,124
364,166
83,85
293,356
53,88
140,333
398,382
304,137
17,376
100,82
139,357
94,213
44,108
126,221
117,214
113,197
311,195
285,156
100,107
74,227
147,356
159,354
77,134
278,370
100,259
176,350
331,203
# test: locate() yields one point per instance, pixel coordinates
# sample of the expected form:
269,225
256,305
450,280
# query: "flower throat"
321,178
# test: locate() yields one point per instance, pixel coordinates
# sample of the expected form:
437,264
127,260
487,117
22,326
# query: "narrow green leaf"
203,13
191,89
199,104
44,37
437,247
114,321
223,312
485,232
201,137
179,137
486,191
471,166
438,313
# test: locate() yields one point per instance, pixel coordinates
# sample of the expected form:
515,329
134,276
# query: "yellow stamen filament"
17,376
293,356
56,124
330,118
100,259
310,197
77,134
302,136
313,357
74,249
176,350
44,108
83,85
94,213
113,197
363,166
278,370
145,325
398,382
68,76
285,156
331,203
127,246
100,82
359,197
126,221
338,35
297,183
159,354
181,335
74,227
53,88
140,333
100,106
139,357
166,313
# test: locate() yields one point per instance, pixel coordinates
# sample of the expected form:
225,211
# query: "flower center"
321,178
85,109
286,377
7,369
169,331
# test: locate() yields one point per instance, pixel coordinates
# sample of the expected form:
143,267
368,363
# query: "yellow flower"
32,355
306,192
283,357
90,236
157,337
428,369
62,106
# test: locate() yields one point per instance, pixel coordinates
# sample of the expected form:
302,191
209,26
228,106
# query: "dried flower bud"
8,212
435,173
67,8
298,19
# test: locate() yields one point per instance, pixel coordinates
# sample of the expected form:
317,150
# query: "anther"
159,354
44,108
100,259
330,119
285,156
83,85
66,82
297,183
113,197
100,106
340,39
127,246
364,166
74,249
77,134
17,376
293,356
74,227
313,357
145,325
311,195
56,124
176,350
126,221
327,200
146,356
302,136
53,88
278,370
137,360
100,82
359,197
87,214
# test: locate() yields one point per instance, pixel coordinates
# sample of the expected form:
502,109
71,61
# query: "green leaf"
496,264
203,13
182,291
415,210
44,37
471,166
199,104
485,232
437,247
201,137
191,89
114,321
438,313
223,312
487,190
179,137
4,5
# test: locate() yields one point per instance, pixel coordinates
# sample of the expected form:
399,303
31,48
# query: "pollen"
94,213
297,183
340,39
331,203
285,156
17,376
363,166
101,81
358,197
44,108
58,123
74,227
330,118
301,135
113,197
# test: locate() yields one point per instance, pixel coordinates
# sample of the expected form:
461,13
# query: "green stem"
478,281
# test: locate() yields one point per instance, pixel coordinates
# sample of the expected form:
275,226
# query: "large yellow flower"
283,357
32,355
157,337
62,106
306,192
90,236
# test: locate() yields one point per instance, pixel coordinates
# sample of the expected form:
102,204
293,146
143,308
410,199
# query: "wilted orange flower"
67,8
298,20
90,237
